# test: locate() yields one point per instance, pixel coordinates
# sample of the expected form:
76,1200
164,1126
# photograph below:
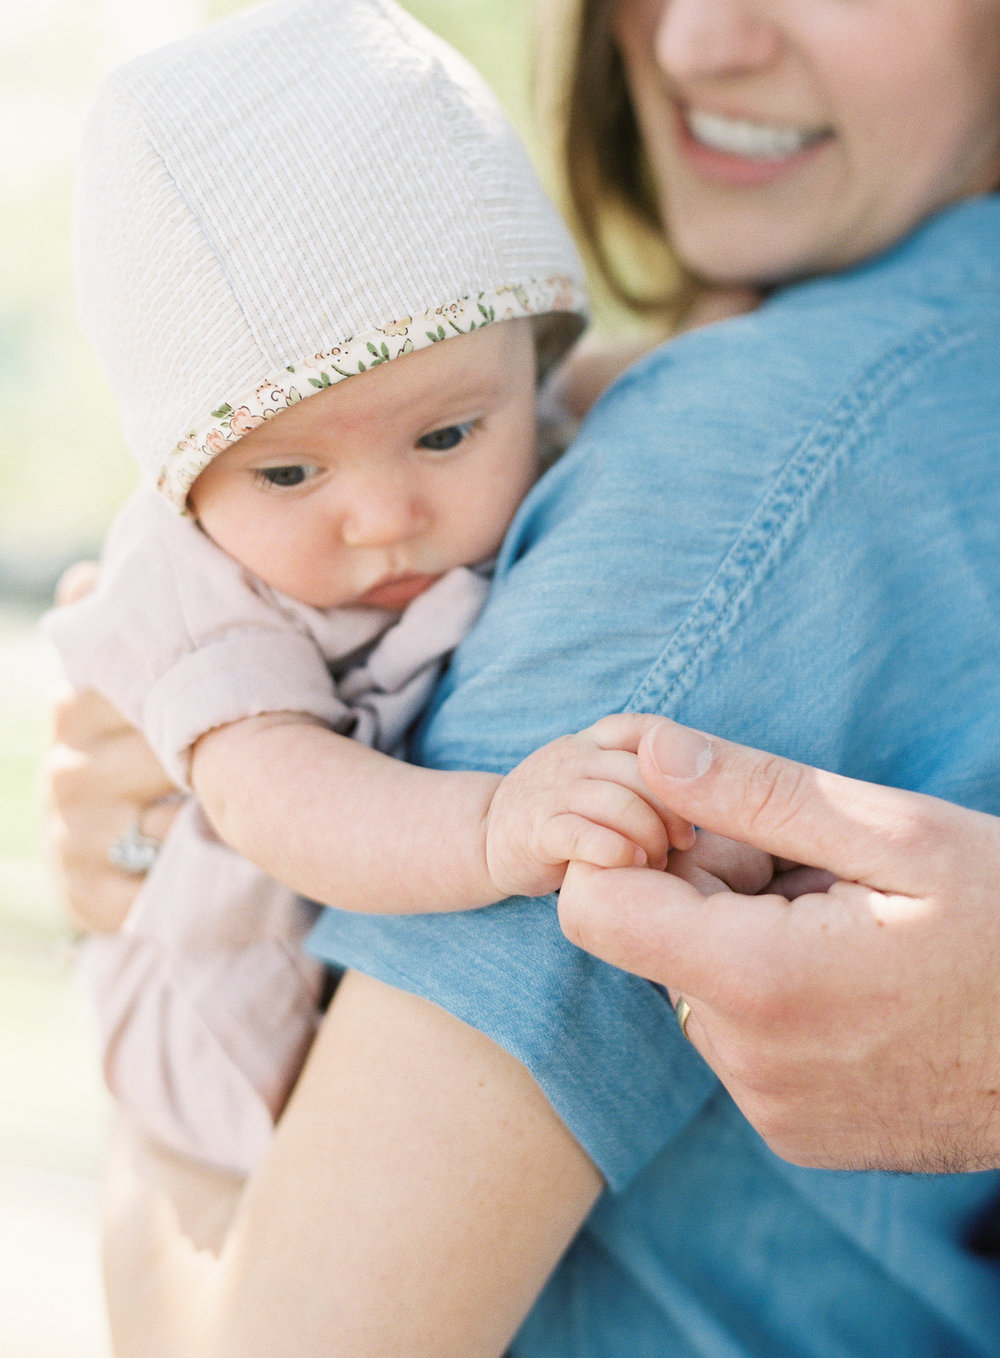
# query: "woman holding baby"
780,528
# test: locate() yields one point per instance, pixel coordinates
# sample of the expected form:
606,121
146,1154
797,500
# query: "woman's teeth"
756,141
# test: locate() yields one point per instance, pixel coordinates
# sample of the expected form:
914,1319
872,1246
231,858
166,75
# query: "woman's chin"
753,256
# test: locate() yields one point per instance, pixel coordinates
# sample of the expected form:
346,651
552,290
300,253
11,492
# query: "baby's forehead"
457,378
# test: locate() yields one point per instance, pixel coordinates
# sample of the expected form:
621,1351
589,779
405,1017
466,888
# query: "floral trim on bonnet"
237,415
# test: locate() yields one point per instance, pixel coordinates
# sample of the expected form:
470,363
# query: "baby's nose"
382,517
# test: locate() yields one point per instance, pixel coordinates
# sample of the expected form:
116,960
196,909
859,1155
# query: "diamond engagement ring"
134,852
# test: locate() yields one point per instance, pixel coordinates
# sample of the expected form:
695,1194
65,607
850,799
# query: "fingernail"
680,753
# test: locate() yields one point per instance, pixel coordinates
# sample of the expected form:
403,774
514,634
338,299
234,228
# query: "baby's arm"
348,826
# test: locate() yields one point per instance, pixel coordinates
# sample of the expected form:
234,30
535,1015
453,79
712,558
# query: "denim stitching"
780,514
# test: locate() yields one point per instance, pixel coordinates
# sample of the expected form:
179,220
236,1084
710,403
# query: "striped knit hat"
285,200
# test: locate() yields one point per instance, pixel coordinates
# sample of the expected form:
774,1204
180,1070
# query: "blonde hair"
607,182
608,185
605,171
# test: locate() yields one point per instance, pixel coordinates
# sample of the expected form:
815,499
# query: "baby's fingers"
614,807
608,766
571,838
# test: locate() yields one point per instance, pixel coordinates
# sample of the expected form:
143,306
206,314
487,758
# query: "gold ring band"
683,1011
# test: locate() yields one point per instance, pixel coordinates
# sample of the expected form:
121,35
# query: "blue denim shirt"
783,529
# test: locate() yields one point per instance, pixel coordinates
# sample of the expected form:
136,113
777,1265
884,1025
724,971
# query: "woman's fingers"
100,781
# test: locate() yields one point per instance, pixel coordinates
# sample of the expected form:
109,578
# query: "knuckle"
556,839
575,838
62,714
59,838
916,828
63,782
621,801
602,727
775,793
58,785
620,730
557,755
60,763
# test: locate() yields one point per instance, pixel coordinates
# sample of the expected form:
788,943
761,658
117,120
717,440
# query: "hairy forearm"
343,824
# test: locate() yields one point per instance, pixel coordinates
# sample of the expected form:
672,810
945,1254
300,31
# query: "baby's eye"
443,440
284,477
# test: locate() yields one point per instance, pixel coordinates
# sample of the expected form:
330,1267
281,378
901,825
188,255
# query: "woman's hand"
856,1025
101,780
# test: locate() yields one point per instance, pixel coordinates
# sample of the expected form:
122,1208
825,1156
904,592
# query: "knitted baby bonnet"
288,198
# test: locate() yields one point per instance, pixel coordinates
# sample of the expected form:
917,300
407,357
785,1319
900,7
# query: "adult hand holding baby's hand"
852,1013
579,798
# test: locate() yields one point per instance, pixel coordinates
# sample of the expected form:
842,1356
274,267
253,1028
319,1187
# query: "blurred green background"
64,471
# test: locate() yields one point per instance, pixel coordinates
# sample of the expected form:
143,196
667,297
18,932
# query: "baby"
312,247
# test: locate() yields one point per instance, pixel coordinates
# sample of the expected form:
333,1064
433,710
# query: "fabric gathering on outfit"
781,530
210,320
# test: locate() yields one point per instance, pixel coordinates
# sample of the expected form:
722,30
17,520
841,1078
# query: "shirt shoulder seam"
784,508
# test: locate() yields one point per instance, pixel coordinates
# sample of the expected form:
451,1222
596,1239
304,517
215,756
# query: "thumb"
858,831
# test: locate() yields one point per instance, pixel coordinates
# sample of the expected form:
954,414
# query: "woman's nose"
702,39
382,516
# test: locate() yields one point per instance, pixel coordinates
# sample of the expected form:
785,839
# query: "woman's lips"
740,153
396,591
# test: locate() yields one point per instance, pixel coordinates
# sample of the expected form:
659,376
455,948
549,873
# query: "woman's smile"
786,138
742,151
747,138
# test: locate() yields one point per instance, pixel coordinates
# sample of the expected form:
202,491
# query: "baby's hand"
579,798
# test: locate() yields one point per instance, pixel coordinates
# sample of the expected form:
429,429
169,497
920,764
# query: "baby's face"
367,492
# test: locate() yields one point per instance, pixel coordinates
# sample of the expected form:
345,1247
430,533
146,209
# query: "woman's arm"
417,1162
419,1191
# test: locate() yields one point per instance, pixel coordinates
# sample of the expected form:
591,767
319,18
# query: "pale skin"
597,360
478,1183
807,67
364,495
97,773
